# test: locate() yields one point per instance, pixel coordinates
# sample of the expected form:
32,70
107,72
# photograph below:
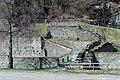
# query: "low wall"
28,62
72,32
34,62
56,50
113,59
71,43
3,61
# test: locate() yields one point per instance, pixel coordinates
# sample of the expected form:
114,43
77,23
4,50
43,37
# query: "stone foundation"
113,59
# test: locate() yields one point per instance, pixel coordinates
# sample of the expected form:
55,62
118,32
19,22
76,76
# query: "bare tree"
23,15
7,11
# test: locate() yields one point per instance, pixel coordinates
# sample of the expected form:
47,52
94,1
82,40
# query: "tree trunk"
58,62
10,47
41,61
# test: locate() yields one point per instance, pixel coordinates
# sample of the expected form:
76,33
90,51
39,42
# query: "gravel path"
39,75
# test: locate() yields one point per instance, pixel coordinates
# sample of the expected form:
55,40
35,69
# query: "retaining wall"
27,47
112,58
3,61
34,62
24,45
72,32
56,50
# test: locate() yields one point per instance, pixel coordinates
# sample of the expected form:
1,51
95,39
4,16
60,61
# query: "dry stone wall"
3,61
68,43
4,48
113,59
63,32
27,51
34,62
28,47
23,46
56,50
71,33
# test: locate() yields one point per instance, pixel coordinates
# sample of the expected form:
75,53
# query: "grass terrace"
112,35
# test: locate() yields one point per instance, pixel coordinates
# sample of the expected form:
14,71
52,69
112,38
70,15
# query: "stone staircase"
85,38
72,48
50,62
97,47
87,62
77,50
87,41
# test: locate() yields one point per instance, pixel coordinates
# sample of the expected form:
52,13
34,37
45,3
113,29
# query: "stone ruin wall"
56,50
4,50
23,47
72,32
27,51
113,58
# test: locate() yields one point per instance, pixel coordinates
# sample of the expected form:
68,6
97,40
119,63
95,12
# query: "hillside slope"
112,35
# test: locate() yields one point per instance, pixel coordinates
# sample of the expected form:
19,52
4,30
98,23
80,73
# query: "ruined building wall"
24,46
28,52
29,49
72,32
112,58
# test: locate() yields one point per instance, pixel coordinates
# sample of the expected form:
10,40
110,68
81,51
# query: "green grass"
110,34
6,69
118,49
41,28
